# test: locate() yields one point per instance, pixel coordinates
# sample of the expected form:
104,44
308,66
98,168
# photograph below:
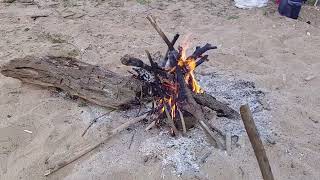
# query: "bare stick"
91,148
183,123
195,109
160,32
175,130
202,60
174,40
256,142
131,140
94,121
35,17
212,134
151,125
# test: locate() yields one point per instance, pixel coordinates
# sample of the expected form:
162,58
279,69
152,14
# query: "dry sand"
281,56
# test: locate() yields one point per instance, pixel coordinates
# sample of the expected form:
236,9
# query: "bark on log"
89,82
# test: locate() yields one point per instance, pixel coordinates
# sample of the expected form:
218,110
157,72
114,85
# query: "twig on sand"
212,134
91,148
35,17
131,140
256,142
151,125
94,121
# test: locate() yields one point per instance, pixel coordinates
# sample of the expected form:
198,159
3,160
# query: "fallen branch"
91,148
256,142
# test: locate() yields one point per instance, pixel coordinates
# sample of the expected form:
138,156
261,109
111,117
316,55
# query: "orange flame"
188,65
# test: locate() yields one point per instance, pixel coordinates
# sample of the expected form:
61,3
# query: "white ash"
236,92
181,155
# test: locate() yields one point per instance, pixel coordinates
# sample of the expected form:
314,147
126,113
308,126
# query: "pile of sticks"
187,100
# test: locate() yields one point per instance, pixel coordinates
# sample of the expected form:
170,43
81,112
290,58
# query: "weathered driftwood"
89,82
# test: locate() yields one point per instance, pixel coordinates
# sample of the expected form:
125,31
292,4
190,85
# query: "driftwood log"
93,83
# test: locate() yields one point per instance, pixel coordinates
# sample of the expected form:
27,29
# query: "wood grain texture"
93,83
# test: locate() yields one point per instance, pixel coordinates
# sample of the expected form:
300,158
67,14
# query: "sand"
263,59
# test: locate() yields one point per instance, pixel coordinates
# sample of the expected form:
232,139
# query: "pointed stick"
115,131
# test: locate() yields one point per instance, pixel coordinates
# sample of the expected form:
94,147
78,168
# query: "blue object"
290,8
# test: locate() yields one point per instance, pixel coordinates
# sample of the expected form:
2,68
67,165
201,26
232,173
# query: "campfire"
172,83
169,84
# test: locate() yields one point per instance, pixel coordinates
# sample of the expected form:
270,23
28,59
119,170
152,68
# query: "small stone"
308,33
9,116
26,29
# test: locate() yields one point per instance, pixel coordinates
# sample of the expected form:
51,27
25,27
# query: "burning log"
222,109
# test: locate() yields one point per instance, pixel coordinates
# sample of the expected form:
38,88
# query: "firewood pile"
174,89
